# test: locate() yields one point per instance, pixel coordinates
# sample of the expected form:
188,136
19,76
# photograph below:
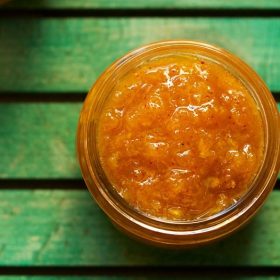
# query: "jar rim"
117,208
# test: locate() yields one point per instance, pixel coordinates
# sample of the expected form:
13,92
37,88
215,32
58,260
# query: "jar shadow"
237,250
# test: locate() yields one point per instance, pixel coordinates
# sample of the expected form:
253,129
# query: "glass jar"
166,233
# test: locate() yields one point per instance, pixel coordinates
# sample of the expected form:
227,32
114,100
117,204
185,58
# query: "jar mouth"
100,186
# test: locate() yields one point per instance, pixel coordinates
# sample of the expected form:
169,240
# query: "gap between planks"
42,184
35,97
57,97
139,12
166,271
56,184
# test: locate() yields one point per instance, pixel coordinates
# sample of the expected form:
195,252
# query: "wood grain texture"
67,55
146,4
68,228
37,140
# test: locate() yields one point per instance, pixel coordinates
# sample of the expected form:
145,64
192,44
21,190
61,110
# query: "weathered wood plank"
67,228
37,140
146,4
67,55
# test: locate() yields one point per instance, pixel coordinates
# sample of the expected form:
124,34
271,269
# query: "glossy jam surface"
180,138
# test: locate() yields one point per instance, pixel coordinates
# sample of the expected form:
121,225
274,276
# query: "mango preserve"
179,143
180,138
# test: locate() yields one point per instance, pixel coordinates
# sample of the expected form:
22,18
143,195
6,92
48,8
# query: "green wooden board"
68,228
147,4
37,140
67,55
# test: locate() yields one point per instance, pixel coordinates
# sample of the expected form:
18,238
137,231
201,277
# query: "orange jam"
180,138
